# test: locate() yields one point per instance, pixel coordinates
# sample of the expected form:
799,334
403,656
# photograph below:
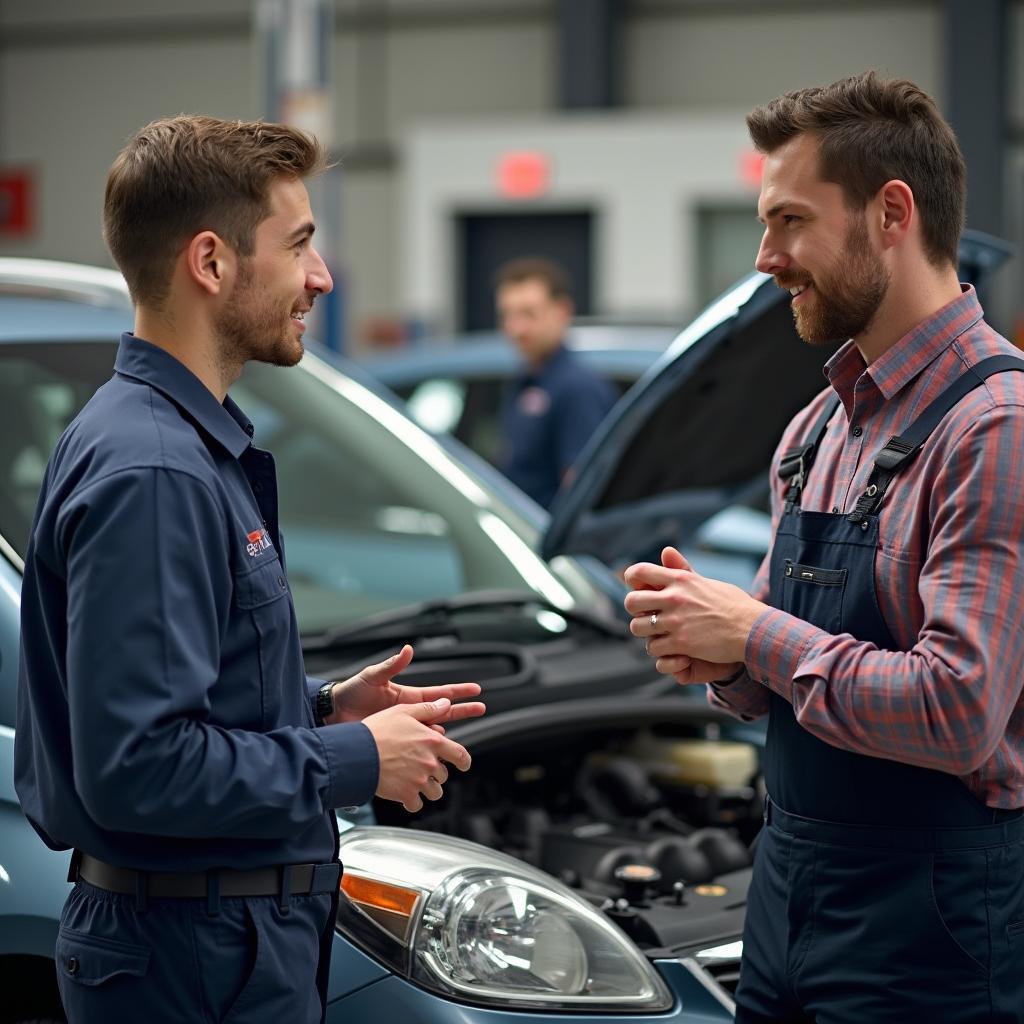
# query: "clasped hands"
696,627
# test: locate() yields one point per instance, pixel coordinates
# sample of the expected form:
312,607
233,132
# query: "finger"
687,678
432,790
413,804
645,576
664,647
428,711
648,625
672,558
437,728
380,673
643,602
440,772
708,671
453,691
670,664
456,754
638,576
472,709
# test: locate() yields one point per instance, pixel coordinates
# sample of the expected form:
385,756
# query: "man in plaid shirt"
883,637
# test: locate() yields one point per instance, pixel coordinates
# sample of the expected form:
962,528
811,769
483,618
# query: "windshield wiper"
433,618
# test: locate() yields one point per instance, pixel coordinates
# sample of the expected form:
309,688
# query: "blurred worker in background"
551,411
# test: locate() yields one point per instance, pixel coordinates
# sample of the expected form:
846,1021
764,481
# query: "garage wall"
77,76
741,54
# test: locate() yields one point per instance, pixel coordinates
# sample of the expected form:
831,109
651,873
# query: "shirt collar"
225,423
919,347
549,366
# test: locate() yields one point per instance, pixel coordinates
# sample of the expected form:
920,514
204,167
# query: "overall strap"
900,449
796,462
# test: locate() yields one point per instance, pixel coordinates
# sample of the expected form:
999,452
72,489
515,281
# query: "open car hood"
683,458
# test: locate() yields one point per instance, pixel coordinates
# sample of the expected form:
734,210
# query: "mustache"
792,279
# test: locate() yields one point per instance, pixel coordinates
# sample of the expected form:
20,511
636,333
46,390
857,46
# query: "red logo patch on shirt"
258,541
534,401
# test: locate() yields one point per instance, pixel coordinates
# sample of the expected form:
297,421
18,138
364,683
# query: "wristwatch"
323,704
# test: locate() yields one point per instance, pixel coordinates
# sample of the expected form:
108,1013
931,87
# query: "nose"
318,277
770,258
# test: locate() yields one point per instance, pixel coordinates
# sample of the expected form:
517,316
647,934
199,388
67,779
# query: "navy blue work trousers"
874,925
176,963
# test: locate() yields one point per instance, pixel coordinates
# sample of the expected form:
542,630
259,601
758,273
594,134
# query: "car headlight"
475,925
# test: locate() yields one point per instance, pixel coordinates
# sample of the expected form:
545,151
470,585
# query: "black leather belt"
288,879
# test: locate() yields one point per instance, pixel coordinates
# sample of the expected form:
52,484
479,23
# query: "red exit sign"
17,202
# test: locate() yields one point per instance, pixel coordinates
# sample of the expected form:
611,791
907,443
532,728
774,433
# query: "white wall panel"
701,59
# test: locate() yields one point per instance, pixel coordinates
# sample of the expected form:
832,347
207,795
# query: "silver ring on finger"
654,620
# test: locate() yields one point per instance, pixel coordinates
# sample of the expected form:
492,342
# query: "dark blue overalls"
883,892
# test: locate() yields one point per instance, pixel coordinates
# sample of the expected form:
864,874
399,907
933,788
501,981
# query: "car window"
470,409
42,387
374,513
437,404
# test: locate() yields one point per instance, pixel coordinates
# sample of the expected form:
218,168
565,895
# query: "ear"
209,262
896,212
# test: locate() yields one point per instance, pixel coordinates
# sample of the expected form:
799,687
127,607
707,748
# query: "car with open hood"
595,860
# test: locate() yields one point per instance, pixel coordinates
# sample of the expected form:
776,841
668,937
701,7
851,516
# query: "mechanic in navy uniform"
883,637
167,731
553,408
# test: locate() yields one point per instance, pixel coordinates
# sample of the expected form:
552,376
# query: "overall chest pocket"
261,594
815,594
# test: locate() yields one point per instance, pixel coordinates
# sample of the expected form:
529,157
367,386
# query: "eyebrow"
306,231
778,208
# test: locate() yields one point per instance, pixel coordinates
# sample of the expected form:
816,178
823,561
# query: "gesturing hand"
372,690
413,754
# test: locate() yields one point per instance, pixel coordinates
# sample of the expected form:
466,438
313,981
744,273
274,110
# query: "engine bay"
653,823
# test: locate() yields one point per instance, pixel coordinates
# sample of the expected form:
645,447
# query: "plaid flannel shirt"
949,570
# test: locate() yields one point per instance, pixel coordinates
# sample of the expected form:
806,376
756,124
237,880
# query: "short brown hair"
535,268
182,175
872,130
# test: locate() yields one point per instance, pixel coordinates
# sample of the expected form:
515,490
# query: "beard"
845,298
253,327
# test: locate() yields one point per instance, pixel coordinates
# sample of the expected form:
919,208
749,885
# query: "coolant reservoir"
717,764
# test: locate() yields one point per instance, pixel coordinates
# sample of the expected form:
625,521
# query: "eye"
789,218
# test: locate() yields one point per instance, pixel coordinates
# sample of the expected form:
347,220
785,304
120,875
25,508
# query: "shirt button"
857,431
281,583
835,509
72,965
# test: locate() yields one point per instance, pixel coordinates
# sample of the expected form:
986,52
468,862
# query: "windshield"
375,514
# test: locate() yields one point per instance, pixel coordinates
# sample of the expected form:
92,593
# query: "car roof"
604,347
73,282
26,319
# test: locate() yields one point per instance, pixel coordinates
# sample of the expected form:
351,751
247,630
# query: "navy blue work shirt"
165,720
547,418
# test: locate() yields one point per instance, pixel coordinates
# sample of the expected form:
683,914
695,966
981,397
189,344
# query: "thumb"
671,558
429,710
382,671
